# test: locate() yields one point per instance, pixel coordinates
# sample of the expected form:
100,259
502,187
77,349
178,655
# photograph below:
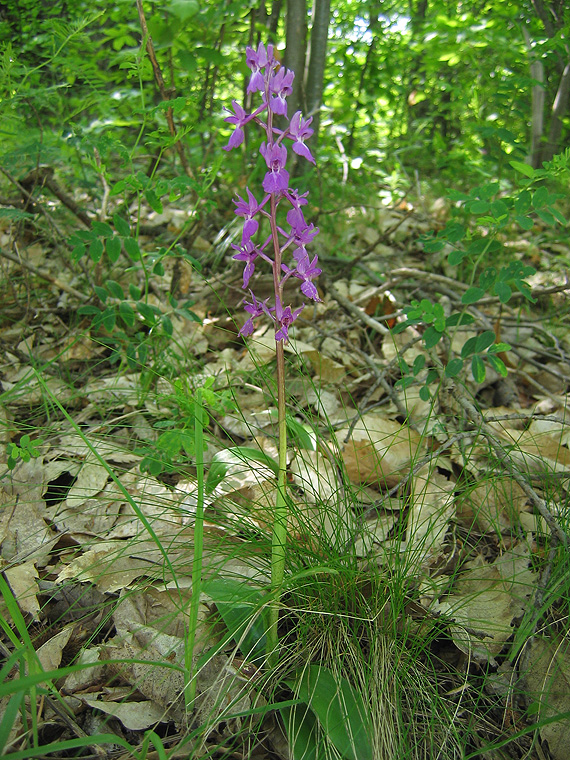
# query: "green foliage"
175,443
329,703
26,449
472,238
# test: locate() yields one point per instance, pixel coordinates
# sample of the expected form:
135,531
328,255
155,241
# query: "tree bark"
296,36
316,68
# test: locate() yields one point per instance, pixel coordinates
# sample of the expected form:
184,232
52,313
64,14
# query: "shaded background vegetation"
422,90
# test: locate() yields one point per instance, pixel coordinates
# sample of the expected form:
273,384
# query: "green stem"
190,689
279,536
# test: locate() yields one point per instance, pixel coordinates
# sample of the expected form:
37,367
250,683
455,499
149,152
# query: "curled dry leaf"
487,599
379,450
493,505
547,683
431,508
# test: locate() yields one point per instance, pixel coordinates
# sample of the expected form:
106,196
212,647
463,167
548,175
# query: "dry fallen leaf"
379,450
487,599
547,681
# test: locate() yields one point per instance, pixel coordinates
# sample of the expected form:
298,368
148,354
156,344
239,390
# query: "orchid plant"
274,82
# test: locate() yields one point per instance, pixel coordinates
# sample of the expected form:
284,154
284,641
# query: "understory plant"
288,236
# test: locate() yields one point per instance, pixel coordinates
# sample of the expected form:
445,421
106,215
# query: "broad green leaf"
478,369
339,709
499,348
221,463
424,393
102,229
109,319
432,376
525,169
301,730
115,289
167,325
498,365
127,313
431,337
132,248
456,257
113,248
146,312
433,246
522,203
101,293
88,310
405,382
546,216
299,434
121,226
478,207
525,222
453,368
78,252
454,232
419,363
134,291
241,608
469,347
503,291
458,318
472,295
485,340
540,197
560,217
96,250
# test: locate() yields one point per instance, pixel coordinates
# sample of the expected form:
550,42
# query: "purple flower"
248,210
239,118
306,271
257,61
277,178
285,321
255,309
248,253
303,233
300,131
280,86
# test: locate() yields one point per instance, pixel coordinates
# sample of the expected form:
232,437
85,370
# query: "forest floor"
427,562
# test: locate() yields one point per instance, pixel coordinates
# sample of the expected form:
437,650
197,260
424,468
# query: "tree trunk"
559,109
296,34
554,21
316,69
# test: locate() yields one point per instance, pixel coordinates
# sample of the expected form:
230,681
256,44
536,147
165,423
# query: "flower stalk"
275,84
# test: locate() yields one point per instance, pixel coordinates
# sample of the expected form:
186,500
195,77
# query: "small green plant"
26,449
472,251
176,442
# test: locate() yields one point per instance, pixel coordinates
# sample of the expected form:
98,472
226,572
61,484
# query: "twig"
354,310
44,275
504,457
158,78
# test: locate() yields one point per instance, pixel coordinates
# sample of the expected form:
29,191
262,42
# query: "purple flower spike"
248,253
275,84
300,131
277,178
239,118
